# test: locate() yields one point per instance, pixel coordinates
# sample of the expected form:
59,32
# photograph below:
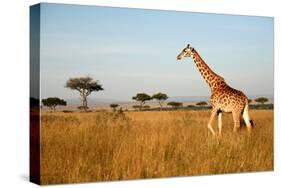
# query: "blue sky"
134,50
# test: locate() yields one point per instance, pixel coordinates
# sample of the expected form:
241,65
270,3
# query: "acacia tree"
85,86
175,105
53,102
136,107
160,97
202,103
114,106
142,98
261,100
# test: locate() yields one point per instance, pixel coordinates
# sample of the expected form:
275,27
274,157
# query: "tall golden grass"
101,146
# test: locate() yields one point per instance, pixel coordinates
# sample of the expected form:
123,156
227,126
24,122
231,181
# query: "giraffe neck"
207,73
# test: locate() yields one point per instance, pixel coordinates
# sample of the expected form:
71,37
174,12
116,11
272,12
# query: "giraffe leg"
247,118
220,122
236,119
213,113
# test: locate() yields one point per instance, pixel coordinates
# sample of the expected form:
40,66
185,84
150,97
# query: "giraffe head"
186,52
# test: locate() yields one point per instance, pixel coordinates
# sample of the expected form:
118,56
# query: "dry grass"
100,146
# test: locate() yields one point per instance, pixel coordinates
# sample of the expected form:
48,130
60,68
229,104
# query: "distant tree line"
261,100
86,85
143,97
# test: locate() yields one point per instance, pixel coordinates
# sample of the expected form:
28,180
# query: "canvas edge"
34,95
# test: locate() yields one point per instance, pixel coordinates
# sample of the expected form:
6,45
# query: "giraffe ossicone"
223,97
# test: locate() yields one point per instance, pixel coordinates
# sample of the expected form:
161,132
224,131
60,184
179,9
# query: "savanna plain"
102,146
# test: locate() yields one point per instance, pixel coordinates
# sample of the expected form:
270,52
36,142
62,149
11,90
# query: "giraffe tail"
252,123
246,115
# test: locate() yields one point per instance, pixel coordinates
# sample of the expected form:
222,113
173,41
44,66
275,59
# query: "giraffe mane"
200,58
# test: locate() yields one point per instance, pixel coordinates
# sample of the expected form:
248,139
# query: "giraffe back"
227,99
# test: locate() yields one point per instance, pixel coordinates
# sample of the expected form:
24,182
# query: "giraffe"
223,97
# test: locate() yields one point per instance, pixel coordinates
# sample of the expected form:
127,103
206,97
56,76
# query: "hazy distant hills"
98,101
91,101
103,103
206,98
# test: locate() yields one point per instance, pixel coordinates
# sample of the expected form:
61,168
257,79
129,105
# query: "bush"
67,111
